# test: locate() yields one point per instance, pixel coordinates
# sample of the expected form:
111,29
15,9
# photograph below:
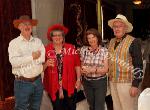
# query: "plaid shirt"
93,58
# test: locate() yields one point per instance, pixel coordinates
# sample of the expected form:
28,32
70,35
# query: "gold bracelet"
78,79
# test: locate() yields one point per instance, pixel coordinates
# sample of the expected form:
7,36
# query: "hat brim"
128,24
18,21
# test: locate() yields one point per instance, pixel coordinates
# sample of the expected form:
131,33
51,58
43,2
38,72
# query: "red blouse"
70,61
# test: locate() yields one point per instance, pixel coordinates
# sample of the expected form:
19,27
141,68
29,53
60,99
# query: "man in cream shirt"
26,55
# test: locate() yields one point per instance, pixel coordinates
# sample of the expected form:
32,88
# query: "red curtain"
9,10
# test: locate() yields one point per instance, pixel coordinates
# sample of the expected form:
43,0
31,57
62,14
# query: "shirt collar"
119,40
23,39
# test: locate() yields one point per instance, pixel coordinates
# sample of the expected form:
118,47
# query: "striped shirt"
125,61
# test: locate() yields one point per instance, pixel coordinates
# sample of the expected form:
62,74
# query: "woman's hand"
88,69
93,69
50,62
84,70
78,84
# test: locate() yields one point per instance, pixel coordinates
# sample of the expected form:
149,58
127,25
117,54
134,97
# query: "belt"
22,78
94,78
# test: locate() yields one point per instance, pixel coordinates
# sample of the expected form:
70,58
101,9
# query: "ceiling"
144,5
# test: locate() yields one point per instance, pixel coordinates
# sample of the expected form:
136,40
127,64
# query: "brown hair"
95,33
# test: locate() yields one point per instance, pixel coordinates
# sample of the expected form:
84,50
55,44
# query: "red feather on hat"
56,27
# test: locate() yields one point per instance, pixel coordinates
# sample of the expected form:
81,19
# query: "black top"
146,53
136,54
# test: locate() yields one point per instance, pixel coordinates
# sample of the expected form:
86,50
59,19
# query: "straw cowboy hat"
56,27
24,18
123,19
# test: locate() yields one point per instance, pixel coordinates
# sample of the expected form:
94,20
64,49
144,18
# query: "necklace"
94,51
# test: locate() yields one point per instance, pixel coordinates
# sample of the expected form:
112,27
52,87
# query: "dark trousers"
146,79
95,91
109,102
68,103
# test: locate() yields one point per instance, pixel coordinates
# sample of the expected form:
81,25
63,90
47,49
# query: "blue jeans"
28,95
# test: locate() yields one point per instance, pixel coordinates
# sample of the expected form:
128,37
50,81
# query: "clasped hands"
36,54
88,70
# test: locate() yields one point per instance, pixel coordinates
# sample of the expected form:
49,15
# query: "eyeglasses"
119,26
57,35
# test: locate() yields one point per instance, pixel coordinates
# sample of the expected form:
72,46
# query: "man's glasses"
119,26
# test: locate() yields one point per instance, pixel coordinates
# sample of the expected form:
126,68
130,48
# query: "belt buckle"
22,78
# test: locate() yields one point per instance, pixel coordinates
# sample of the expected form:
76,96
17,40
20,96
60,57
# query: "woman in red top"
62,70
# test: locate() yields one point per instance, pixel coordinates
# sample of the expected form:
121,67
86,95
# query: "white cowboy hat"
123,19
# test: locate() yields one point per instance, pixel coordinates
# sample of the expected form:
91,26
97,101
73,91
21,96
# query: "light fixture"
137,2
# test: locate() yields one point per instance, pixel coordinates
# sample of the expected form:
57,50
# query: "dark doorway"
109,12
141,22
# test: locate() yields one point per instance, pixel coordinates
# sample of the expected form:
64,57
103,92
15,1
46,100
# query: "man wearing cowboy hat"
26,55
125,65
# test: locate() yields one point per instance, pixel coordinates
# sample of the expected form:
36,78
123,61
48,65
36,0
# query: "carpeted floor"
83,105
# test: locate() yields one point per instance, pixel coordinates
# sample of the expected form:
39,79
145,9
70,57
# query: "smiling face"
119,29
25,28
57,37
92,40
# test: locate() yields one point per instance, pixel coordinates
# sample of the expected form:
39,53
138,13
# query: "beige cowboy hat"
123,19
24,18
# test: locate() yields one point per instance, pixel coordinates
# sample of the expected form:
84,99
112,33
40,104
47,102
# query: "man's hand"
133,91
36,54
